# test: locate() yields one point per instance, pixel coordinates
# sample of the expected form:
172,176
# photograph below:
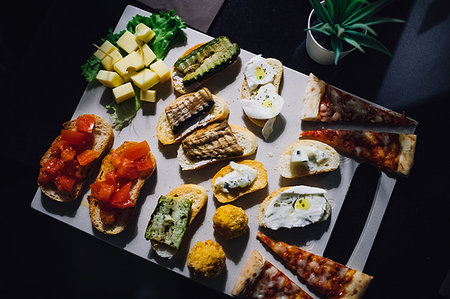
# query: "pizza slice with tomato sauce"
392,152
261,279
326,103
329,278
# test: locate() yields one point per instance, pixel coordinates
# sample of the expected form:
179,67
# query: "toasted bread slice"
177,76
259,183
198,196
247,93
263,206
103,140
122,216
246,139
219,111
288,170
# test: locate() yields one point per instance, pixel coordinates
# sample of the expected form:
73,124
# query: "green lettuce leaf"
123,113
91,68
168,28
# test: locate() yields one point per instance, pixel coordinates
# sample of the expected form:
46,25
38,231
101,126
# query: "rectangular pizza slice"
392,152
260,279
329,278
326,103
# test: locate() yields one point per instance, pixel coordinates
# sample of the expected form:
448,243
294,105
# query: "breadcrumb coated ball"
206,259
230,221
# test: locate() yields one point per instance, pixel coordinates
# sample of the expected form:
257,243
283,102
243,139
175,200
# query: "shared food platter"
169,175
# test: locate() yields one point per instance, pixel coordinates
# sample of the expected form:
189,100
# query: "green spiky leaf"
350,21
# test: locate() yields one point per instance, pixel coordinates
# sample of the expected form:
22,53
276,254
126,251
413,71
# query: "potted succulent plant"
337,27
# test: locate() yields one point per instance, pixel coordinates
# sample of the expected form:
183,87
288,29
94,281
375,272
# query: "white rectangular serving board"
168,175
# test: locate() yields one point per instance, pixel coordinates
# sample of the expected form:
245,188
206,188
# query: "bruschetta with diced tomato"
73,155
121,177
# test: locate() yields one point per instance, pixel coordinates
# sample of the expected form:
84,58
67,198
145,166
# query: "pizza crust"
357,286
311,102
406,155
249,273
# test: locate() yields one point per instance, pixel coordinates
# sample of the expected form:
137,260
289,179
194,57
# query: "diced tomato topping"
122,198
115,159
44,178
136,151
58,146
68,154
53,166
102,191
127,170
144,163
87,156
114,191
85,123
77,138
110,177
65,183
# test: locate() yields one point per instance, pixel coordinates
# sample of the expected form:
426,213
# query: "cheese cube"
129,65
147,54
106,47
161,69
127,42
148,95
109,79
109,61
145,79
123,92
143,33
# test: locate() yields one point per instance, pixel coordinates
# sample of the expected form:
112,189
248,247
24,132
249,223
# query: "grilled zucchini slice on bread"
207,59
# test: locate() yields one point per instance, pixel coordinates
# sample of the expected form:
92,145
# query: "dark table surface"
43,44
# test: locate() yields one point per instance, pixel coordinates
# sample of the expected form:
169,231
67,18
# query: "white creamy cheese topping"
297,206
308,156
241,176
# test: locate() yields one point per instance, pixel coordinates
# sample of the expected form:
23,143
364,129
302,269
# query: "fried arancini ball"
230,221
206,259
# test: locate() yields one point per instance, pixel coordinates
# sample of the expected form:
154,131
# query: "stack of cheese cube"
139,66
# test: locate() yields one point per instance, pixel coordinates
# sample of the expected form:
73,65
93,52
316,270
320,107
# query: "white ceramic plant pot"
317,52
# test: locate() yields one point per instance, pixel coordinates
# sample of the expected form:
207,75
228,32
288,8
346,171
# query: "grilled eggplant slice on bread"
73,155
114,194
215,142
203,61
189,112
172,216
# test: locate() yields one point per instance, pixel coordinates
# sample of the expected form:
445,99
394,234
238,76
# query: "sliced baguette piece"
259,183
177,76
103,140
287,170
247,93
122,216
164,133
246,139
198,196
308,190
